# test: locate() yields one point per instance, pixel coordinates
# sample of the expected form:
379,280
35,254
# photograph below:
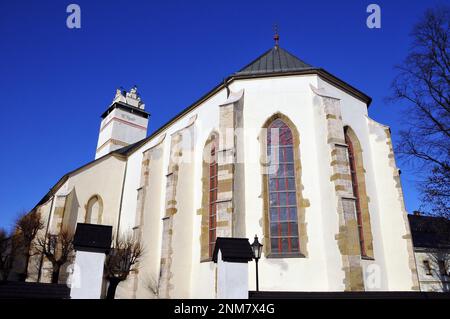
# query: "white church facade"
280,149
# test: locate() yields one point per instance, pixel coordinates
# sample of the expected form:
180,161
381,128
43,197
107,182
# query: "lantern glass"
257,248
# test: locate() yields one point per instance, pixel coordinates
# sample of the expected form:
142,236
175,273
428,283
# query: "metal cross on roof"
276,36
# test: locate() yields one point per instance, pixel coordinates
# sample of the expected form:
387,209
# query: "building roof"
126,107
237,250
275,60
430,232
94,238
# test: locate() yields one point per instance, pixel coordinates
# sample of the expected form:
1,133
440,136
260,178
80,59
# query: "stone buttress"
347,237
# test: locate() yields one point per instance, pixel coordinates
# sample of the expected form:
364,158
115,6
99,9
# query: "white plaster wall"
321,270
125,132
128,213
149,266
203,280
201,275
292,97
121,131
152,229
130,190
232,279
87,278
103,178
195,279
436,281
182,239
392,215
326,199
354,114
104,134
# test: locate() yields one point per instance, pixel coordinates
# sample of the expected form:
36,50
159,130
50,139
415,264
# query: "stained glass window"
282,189
212,196
352,161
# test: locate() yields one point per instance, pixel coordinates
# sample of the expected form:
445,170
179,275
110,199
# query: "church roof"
275,60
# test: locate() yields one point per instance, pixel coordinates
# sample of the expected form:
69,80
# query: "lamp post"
257,249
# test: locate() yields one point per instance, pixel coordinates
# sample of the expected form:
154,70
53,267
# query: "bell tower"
123,123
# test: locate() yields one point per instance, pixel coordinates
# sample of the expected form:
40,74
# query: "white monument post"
91,243
232,256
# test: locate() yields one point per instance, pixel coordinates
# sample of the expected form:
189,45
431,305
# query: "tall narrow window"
283,221
352,162
213,167
94,210
427,266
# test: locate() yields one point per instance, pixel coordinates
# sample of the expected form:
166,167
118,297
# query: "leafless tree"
423,85
26,229
121,260
57,249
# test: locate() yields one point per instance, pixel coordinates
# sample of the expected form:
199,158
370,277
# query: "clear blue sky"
55,82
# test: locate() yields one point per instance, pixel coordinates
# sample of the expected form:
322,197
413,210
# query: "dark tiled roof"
276,60
430,232
236,250
90,237
126,107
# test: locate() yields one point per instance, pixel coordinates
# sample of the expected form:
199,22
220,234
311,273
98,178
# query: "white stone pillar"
87,276
232,256
91,243
232,279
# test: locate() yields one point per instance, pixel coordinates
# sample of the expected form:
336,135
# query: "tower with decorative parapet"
123,123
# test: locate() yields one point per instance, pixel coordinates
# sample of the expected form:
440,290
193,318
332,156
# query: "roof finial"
276,36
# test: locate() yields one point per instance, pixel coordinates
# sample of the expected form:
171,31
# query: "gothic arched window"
359,192
283,203
212,204
208,209
94,210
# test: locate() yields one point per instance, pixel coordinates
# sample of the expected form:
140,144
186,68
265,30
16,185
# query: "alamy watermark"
73,20
374,19
373,277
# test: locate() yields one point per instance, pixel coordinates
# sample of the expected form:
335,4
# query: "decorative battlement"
131,98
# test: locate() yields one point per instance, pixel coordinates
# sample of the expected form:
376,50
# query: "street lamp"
257,249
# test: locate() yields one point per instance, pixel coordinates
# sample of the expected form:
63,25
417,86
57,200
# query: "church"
280,149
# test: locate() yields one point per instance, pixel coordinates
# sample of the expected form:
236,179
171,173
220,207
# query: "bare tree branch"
423,84
122,260
57,249
26,229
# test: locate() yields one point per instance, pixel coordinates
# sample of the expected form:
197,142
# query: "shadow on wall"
71,209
